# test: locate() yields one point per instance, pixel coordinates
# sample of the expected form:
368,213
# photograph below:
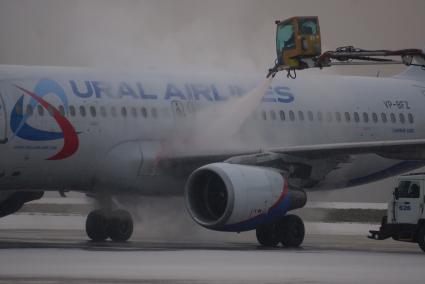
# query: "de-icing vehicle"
298,47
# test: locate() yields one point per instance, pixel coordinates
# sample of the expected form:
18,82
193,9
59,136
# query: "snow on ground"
77,199
45,248
346,205
77,222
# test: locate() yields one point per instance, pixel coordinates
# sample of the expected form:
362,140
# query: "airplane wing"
305,158
385,148
402,147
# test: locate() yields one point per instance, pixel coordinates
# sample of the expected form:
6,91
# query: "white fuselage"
119,125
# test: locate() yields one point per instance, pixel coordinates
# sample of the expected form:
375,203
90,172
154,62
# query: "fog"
234,36
193,36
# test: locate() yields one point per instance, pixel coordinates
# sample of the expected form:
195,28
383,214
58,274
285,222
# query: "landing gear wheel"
421,238
96,226
120,226
267,235
291,231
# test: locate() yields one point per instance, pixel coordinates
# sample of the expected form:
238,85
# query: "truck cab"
405,220
408,200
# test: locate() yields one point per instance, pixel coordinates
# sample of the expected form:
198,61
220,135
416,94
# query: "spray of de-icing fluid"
217,128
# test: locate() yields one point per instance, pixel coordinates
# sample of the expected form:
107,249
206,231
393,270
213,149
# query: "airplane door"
3,121
183,110
179,111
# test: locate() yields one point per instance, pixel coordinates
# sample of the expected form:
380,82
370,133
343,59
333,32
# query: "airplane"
243,156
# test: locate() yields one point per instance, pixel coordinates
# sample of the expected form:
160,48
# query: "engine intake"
230,197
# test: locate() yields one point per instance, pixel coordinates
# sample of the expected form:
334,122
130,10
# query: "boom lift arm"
298,47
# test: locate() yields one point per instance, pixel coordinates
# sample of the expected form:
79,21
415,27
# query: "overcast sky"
226,35
192,35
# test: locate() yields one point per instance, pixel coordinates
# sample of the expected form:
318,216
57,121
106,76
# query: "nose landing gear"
115,224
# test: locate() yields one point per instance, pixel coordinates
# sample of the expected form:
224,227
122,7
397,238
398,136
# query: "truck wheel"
421,238
384,221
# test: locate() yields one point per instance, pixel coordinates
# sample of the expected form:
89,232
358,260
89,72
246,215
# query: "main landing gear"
114,224
289,231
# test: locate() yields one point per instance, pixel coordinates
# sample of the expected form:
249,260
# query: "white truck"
405,220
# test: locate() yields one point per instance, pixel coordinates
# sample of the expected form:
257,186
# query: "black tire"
421,238
120,226
267,235
291,231
96,226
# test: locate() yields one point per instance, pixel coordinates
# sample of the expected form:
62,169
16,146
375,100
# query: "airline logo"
22,129
171,91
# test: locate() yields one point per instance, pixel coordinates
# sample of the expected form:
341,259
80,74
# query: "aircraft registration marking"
396,104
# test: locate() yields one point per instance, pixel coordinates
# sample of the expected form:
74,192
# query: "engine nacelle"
236,198
11,202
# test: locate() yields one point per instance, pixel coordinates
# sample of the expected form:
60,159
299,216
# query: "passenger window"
384,117
319,116
272,115
338,116
40,110
291,115
154,113
374,117
282,115
72,110
310,115
365,117
347,116
62,110
300,115
144,112
401,117
113,112
30,110
392,117
410,118
356,117
134,112
264,115
93,111
103,111
124,112
329,116
82,111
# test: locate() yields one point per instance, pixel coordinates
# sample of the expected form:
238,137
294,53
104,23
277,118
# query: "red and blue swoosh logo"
21,128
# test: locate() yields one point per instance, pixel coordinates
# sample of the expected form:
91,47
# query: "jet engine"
11,202
236,198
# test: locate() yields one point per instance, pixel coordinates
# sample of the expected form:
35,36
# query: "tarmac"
54,249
